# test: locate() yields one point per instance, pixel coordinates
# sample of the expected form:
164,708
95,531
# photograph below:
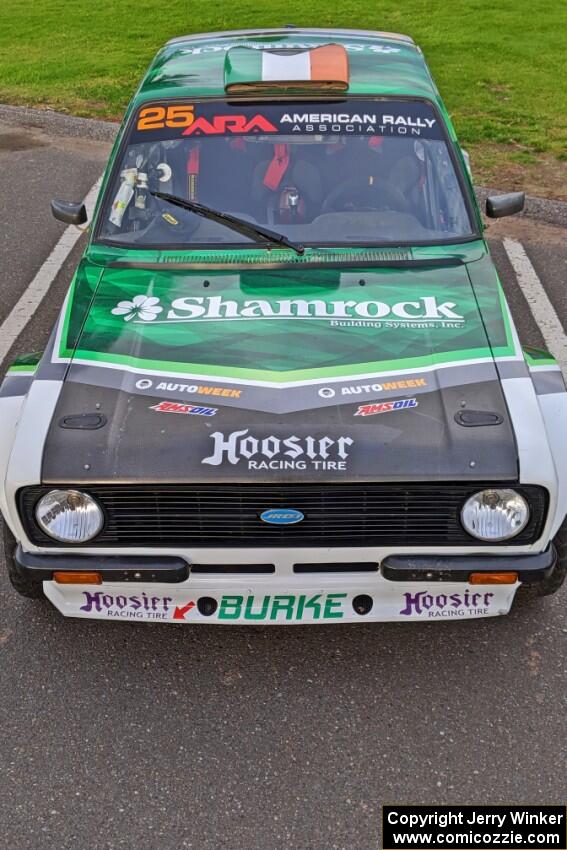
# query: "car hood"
344,373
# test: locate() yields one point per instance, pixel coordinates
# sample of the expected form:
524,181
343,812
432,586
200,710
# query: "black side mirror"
68,212
498,206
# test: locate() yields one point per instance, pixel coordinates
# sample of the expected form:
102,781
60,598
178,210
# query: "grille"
335,514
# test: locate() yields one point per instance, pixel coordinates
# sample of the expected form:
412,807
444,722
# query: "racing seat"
286,188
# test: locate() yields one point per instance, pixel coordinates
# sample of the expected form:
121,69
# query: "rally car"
285,385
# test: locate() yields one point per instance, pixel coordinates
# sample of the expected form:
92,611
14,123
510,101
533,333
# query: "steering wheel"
363,196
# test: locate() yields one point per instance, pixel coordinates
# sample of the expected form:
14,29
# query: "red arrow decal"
179,613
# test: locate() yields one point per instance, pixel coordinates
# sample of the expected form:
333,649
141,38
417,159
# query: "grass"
501,65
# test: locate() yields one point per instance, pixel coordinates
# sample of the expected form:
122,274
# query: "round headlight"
495,514
69,516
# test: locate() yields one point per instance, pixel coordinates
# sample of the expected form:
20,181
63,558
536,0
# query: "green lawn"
501,65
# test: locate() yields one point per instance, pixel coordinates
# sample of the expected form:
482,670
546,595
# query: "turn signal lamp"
493,578
75,577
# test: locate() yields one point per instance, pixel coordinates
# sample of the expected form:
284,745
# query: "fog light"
495,514
69,516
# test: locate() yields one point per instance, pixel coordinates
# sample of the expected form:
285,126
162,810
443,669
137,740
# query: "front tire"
21,584
552,583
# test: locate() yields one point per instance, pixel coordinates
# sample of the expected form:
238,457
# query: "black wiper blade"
246,228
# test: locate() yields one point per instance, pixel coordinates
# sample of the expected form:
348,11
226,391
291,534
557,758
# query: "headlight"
69,516
495,514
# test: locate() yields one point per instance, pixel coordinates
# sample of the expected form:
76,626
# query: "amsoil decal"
466,604
289,453
426,312
161,122
189,409
386,407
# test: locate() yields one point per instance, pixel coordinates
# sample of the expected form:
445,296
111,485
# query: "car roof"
381,63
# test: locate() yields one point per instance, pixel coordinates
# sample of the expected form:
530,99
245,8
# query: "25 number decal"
156,117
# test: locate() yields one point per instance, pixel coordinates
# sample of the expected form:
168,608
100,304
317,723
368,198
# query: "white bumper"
272,600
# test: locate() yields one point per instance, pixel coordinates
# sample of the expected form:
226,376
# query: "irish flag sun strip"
324,67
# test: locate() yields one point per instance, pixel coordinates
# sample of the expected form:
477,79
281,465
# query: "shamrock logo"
141,307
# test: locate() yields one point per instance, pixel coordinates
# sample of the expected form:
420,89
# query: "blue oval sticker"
282,516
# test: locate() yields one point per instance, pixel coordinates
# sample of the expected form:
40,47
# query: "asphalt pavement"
151,737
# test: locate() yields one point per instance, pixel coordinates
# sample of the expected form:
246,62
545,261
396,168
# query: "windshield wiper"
253,231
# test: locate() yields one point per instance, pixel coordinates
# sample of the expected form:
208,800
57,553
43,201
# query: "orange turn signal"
493,578
77,578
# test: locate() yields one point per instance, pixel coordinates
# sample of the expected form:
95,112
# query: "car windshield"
368,172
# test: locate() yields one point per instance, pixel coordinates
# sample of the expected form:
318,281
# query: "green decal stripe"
63,350
21,370
350,370
505,311
539,357
209,343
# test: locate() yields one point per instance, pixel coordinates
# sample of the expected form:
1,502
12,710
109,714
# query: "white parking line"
541,307
38,288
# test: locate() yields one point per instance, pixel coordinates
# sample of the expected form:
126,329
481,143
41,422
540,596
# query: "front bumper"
400,588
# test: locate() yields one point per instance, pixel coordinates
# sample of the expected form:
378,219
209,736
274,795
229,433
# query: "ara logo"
221,125
289,453
282,516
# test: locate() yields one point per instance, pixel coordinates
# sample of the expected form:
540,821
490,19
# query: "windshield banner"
378,118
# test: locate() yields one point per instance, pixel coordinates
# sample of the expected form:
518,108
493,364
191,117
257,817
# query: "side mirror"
498,206
68,213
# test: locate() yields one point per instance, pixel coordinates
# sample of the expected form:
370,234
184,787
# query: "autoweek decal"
285,326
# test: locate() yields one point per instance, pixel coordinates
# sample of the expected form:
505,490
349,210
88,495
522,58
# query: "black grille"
335,514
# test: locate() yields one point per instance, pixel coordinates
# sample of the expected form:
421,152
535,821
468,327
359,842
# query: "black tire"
21,584
551,584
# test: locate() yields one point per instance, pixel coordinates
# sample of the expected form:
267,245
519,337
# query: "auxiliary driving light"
495,514
69,516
